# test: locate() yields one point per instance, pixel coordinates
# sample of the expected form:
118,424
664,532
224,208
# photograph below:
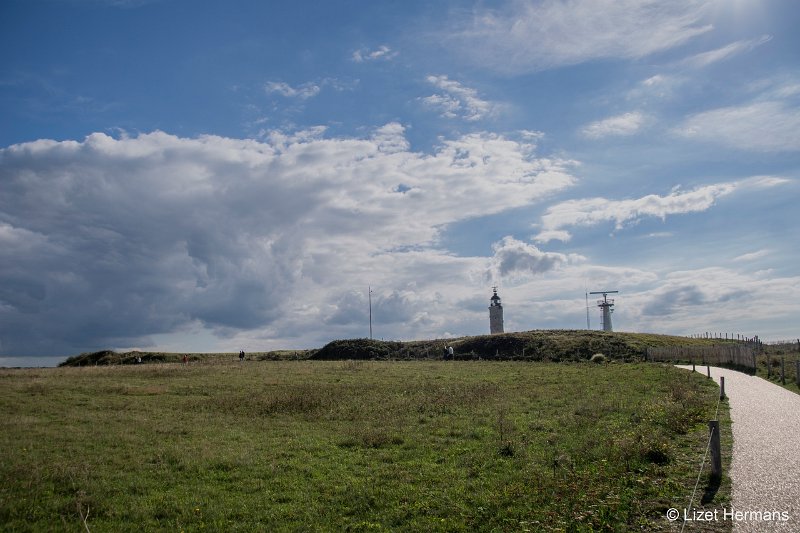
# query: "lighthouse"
495,314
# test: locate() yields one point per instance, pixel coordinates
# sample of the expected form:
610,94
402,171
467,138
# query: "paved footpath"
765,466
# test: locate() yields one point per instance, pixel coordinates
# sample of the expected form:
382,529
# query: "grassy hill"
537,345
110,357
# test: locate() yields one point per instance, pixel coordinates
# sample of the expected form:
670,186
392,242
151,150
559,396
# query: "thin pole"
370,311
588,326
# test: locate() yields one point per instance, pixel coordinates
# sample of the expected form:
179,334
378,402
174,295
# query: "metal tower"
495,314
606,306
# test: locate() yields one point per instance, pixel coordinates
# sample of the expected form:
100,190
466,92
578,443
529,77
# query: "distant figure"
241,355
185,359
444,352
139,359
450,352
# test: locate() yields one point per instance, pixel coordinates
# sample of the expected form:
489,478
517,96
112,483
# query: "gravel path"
765,466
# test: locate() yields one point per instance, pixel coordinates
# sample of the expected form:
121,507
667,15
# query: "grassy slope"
537,345
352,445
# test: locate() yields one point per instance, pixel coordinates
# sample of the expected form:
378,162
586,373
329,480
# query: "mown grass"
353,446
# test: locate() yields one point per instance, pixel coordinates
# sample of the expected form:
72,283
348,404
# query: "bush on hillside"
358,349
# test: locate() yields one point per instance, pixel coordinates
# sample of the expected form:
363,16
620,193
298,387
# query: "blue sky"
205,176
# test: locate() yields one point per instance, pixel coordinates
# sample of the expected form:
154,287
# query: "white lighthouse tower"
495,314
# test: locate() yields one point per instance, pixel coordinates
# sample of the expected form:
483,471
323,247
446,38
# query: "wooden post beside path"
783,370
716,452
797,372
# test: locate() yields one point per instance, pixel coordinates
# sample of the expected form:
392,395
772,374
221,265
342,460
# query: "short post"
716,452
797,372
693,368
783,370
769,367
722,387
708,370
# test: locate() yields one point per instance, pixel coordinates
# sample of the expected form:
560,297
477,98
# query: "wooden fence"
706,355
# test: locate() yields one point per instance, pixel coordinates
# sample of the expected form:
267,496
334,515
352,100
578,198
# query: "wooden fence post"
783,370
721,387
797,372
716,452
708,370
769,367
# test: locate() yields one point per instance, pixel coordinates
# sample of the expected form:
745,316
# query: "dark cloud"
671,300
350,308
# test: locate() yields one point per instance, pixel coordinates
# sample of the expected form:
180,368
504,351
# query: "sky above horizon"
215,176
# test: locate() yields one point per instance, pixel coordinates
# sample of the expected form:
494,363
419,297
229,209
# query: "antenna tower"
606,307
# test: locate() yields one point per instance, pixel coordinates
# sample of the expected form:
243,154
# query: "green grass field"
354,446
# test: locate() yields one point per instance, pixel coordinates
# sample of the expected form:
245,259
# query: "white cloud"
532,36
768,126
593,211
382,53
720,54
715,299
752,256
660,86
303,92
619,126
118,242
457,101
516,258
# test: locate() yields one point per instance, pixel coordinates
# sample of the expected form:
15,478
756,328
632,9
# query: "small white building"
495,314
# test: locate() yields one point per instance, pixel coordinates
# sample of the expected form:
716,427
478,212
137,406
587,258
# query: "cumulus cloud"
115,241
457,101
516,258
382,53
593,211
767,126
532,36
617,126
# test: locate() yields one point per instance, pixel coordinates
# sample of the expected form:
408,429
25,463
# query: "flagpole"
370,311
587,309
